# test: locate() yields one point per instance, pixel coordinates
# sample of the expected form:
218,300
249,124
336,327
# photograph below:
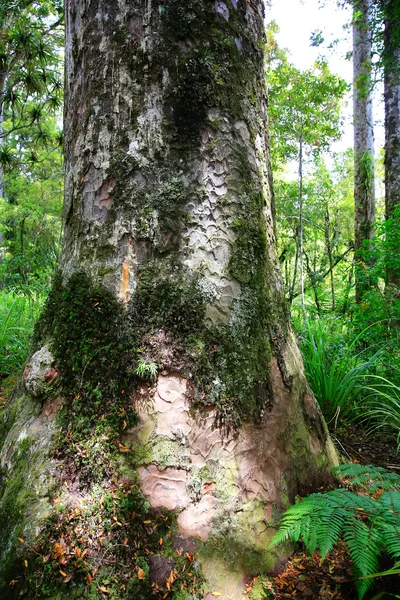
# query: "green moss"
236,555
15,501
94,352
130,532
207,68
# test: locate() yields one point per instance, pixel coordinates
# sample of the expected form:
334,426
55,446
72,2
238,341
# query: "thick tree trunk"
392,132
165,348
364,187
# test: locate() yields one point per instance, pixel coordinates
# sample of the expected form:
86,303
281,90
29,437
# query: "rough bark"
166,335
392,125
364,187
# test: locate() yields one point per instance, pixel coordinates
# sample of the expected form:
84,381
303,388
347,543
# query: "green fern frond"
369,526
368,476
390,537
390,502
331,530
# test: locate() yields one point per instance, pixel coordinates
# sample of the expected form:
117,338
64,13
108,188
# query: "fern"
368,476
369,526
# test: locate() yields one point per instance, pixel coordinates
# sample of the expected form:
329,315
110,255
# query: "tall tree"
305,116
364,186
391,65
30,75
166,340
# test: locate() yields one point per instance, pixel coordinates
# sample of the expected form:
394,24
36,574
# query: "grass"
333,372
18,314
381,408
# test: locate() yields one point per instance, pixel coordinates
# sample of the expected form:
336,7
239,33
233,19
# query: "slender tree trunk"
392,131
329,253
364,187
311,275
301,229
2,90
296,262
179,378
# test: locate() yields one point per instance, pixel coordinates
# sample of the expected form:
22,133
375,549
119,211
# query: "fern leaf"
364,551
390,502
330,529
371,477
389,537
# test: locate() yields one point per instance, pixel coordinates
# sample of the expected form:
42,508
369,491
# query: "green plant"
369,525
146,370
382,405
334,377
18,314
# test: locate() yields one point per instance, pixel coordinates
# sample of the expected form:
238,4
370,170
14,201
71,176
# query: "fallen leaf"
68,578
141,574
26,563
216,593
123,448
104,590
62,573
21,540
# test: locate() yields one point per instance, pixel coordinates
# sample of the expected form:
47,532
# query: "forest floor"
303,577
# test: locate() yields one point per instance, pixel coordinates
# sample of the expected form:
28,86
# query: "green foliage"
381,407
146,370
30,63
328,232
18,314
30,222
369,526
304,106
334,375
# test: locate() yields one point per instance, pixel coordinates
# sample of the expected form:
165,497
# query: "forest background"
344,297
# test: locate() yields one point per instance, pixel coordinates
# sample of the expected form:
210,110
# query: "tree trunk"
165,350
364,191
328,246
392,133
2,90
301,229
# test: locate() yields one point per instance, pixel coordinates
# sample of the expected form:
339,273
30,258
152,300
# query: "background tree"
305,116
391,65
364,182
30,68
165,344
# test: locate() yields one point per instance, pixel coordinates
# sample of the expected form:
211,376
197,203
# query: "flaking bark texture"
364,190
169,215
